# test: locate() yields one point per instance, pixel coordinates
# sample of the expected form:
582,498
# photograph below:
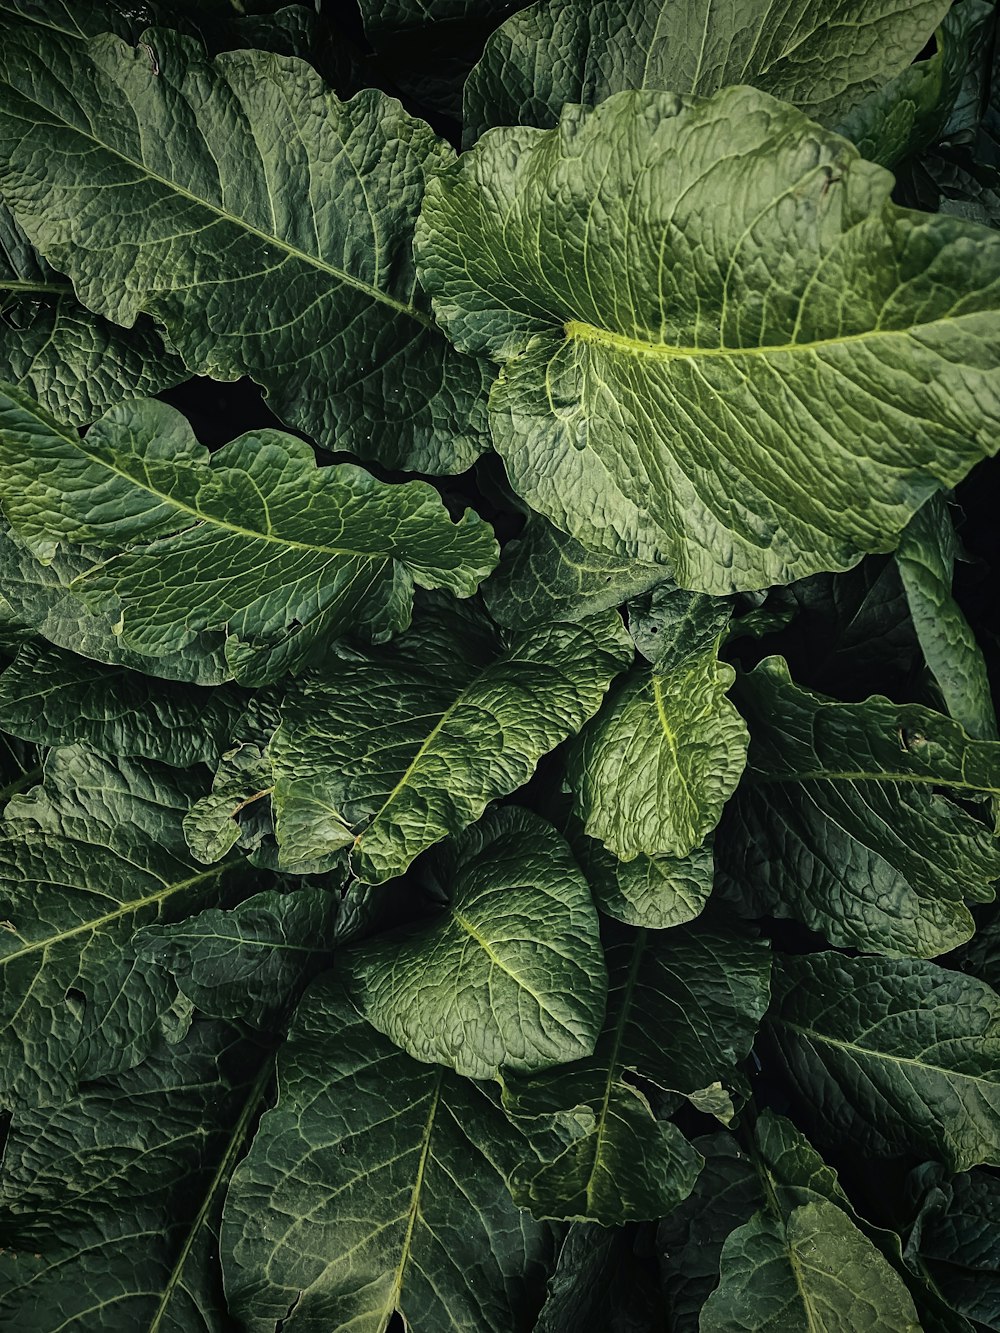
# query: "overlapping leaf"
955,1240
715,397
651,891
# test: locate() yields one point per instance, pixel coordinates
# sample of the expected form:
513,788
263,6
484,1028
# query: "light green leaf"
842,823
892,1055
653,891
389,751
86,859
256,545
822,58
683,1007
926,560
55,698
110,1206
372,1187
510,975
715,397
654,769
295,211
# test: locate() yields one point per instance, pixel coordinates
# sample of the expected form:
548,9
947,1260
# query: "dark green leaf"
955,1240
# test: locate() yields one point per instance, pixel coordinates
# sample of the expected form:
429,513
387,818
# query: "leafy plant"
500,806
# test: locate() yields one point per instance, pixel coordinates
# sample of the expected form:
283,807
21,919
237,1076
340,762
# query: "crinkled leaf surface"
653,891
389,751
843,823
654,769
266,224
85,859
715,396
683,1007
892,1055
510,975
955,1240
110,1206
823,58
53,697
255,544
374,1186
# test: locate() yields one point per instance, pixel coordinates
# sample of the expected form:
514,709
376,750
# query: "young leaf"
255,544
510,975
264,223
892,1055
651,891
658,400
372,1187
842,824
389,751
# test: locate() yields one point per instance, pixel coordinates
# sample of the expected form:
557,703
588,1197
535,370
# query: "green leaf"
653,891
599,1286
307,552
251,963
955,1240
683,1007
841,821
823,58
295,210
510,976
654,769
372,1187
926,560
892,1055
658,400
469,713
54,698
94,853
110,1205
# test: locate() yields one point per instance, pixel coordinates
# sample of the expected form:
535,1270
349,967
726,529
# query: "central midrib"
589,333
623,1013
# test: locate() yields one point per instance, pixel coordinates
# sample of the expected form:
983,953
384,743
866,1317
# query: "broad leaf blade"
652,891
955,1240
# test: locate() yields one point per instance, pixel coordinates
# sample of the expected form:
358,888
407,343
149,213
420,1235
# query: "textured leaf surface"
652,891
893,1055
510,975
598,1286
295,211
842,822
955,1241
110,1206
55,698
86,859
715,397
256,544
654,769
389,751
823,58
373,1186
683,1007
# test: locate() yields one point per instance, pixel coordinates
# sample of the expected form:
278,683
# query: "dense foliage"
501,805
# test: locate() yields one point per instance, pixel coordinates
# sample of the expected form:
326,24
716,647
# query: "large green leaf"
86,859
373,1186
269,553
892,1055
823,58
654,769
55,698
295,211
683,1007
842,823
715,395
110,1206
510,976
654,891
388,751
955,1240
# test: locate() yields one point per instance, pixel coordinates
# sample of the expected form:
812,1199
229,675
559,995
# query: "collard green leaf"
373,1186
843,824
892,1055
85,859
822,58
652,891
715,397
683,1007
955,1240
654,769
387,752
926,561
55,698
110,1206
255,545
295,212
599,1286
510,975
252,962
